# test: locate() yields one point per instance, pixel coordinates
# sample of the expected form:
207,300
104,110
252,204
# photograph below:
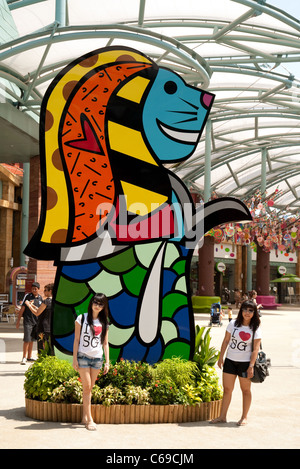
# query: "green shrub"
207,389
172,381
164,392
210,389
124,373
177,370
46,374
136,395
70,391
110,395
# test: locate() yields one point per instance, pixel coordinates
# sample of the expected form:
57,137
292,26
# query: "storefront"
225,272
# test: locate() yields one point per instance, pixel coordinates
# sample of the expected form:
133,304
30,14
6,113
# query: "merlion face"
174,116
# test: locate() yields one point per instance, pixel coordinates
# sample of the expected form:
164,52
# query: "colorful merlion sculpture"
113,218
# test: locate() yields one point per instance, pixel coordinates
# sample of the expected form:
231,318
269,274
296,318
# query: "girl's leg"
86,394
88,378
245,385
228,386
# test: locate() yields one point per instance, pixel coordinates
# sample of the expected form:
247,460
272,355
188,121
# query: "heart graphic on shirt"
244,335
98,330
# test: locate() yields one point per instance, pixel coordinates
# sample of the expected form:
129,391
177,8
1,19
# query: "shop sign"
281,270
220,267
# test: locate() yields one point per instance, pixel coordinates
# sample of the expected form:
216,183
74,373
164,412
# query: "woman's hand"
220,362
106,368
75,365
250,372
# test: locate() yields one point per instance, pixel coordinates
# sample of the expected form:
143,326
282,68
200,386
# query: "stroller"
215,314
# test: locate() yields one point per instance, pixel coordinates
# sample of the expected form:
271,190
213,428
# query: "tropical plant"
192,394
208,386
165,392
177,370
46,374
124,373
137,395
70,391
204,354
172,381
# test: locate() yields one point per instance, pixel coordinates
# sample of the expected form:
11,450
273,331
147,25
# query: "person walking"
29,321
44,315
252,297
91,339
240,358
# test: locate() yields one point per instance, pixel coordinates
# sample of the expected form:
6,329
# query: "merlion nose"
207,99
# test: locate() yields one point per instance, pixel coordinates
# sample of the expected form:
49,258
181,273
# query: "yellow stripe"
134,89
141,201
128,141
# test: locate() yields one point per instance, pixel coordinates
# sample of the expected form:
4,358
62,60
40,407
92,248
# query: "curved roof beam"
168,44
233,155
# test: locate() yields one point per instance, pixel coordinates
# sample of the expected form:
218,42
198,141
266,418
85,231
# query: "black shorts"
29,332
236,368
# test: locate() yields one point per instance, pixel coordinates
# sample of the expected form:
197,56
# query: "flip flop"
91,426
217,420
242,422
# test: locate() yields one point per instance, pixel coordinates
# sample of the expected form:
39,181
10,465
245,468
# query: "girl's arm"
34,309
76,344
106,353
256,345
224,346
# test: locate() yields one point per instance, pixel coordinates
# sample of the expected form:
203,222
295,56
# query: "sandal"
218,420
90,426
242,422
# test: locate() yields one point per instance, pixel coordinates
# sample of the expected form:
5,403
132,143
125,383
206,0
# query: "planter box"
49,411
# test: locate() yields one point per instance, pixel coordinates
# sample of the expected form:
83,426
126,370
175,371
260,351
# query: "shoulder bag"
261,366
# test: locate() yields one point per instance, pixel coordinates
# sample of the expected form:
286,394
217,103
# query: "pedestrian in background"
29,321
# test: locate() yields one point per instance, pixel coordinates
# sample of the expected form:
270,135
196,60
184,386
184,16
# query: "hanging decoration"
271,228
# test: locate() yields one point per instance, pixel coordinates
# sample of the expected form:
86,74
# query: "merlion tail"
212,214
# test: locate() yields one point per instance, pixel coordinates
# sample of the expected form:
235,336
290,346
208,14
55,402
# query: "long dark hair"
102,316
255,321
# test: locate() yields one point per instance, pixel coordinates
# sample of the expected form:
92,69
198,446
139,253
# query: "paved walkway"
274,420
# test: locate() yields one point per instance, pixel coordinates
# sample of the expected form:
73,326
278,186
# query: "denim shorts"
86,362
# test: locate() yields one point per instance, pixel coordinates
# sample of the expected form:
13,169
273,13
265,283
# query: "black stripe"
139,173
125,112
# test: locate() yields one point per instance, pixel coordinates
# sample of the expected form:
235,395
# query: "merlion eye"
170,87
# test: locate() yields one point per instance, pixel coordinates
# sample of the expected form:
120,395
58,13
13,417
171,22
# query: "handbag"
261,366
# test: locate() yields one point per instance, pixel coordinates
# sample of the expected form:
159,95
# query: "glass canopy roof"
246,52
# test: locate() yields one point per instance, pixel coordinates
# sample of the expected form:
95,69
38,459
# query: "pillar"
244,269
61,9
6,218
206,267
263,184
263,257
25,212
207,162
238,268
262,271
249,269
297,285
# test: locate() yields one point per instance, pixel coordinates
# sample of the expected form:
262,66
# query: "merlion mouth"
179,135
